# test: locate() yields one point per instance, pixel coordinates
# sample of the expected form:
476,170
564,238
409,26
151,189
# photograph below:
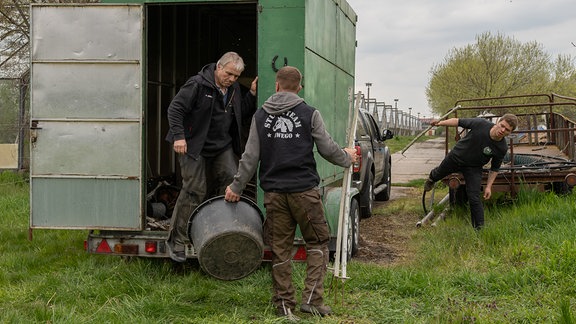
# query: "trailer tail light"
358,163
103,247
300,254
151,247
267,255
126,248
570,180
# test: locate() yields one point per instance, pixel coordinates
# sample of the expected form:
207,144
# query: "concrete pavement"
417,161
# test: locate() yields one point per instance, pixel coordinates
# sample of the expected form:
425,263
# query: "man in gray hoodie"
282,138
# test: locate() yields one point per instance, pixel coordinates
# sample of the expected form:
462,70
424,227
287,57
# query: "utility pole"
368,85
410,123
396,115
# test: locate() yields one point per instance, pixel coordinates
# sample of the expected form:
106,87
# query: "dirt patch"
384,237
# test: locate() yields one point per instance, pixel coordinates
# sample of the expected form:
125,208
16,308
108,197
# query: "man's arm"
254,86
246,167
249,102
446,122
488,190
181,105
326,146
496,162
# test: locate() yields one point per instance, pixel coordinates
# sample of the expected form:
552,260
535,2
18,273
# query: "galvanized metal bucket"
227,237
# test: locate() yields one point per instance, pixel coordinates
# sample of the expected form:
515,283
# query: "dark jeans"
201,179
473,182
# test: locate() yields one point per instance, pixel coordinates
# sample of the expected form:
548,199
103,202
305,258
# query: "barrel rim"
218,198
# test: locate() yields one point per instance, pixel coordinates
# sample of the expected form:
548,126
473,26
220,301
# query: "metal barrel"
227,237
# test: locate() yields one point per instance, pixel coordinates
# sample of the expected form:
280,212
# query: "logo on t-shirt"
487,151
283,126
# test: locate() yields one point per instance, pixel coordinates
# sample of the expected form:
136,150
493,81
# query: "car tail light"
358,163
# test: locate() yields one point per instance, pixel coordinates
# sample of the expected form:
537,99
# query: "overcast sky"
400,41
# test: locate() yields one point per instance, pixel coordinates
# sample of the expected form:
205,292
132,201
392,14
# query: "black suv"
372,173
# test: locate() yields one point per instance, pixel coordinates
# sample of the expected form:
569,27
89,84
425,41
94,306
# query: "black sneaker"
316,310
428,185
178,256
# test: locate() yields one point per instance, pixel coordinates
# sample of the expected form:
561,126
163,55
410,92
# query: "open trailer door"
86,116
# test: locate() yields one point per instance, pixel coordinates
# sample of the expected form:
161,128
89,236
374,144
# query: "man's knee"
474,198
317,255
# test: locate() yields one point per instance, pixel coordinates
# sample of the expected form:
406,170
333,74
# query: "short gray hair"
231,57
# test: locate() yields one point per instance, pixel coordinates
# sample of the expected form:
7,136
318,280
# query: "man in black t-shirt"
484,143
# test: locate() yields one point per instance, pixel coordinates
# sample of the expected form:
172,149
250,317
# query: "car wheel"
353,238
367,197
384,195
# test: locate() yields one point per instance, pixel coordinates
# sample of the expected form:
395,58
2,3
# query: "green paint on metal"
331,200
316,36
90,203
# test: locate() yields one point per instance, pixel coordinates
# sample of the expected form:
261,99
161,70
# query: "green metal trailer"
103,75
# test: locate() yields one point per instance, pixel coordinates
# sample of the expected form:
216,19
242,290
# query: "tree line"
498,65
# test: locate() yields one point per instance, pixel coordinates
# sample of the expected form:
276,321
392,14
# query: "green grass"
397,143
520,268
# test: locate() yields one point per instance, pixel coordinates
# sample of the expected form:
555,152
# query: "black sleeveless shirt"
287,150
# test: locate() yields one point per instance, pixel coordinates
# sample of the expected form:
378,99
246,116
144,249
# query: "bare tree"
15,35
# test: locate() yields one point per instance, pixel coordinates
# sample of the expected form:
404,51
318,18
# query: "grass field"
521,268
397,143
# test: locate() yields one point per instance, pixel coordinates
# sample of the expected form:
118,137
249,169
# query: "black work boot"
428,185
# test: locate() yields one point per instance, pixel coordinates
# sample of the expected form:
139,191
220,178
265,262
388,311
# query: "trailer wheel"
458,196
561,188
353,229
429,200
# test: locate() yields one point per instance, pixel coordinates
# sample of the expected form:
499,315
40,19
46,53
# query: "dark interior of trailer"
180,40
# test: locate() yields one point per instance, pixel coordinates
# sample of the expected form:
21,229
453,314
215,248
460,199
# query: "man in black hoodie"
206,118
282,138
